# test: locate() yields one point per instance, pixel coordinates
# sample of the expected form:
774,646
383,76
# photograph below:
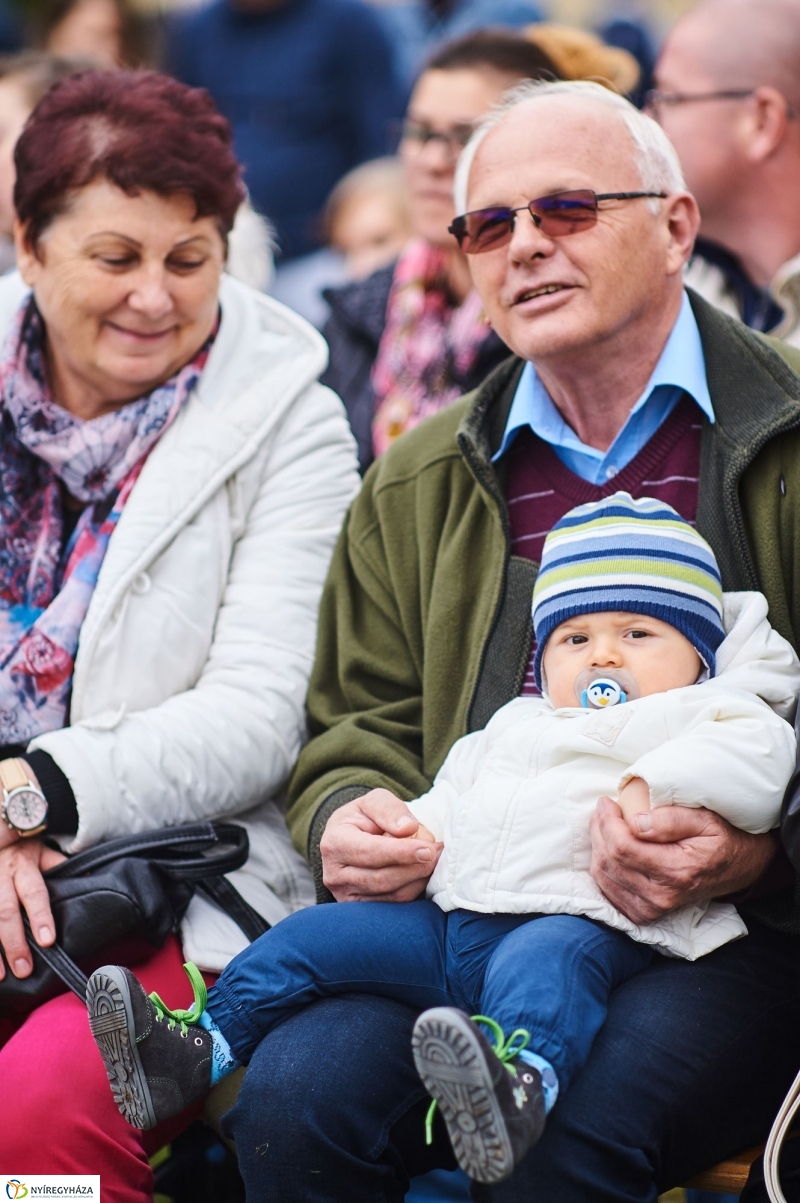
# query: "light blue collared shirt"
681,368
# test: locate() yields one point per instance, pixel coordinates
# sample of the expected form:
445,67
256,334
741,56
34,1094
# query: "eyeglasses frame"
449,139
654,97
455,226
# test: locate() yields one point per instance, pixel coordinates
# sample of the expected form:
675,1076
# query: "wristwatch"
24,805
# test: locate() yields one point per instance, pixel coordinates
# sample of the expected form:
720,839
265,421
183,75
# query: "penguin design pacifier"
599,691
602,692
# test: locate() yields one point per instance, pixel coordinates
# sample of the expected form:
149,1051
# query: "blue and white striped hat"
640,556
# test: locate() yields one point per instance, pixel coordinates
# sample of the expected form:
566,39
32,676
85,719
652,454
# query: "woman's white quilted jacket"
513,802
194,657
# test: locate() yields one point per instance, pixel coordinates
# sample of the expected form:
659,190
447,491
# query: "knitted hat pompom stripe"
639,557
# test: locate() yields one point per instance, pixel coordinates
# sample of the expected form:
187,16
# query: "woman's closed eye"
119,262
125,260
186,264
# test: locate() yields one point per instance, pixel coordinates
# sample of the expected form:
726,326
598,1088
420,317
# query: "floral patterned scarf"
46,584
428,347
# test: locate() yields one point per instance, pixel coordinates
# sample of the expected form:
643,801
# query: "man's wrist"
326,808
774,874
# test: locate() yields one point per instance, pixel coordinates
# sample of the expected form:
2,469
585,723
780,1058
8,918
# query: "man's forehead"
688,51
554,142
761,45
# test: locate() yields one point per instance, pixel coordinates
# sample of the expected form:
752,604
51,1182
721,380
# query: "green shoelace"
195,1011
504,1050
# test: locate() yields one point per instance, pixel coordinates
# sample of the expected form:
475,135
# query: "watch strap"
16,773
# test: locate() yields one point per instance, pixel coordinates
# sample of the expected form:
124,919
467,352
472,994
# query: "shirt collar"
681,365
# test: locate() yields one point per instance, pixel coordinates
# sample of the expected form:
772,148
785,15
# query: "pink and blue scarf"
46,584
428,347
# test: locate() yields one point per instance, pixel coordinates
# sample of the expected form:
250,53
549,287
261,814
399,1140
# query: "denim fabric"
691,1065
550,974
440,1186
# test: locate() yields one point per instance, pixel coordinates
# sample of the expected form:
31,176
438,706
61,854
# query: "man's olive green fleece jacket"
425,625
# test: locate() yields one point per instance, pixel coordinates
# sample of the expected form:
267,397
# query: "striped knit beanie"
640,556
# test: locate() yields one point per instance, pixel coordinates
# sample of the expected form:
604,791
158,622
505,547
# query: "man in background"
310,88
728,97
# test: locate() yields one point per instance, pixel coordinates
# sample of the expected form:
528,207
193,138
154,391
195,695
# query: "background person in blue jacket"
310,88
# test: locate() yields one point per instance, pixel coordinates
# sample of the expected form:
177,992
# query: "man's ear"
683,221
767,120
27,259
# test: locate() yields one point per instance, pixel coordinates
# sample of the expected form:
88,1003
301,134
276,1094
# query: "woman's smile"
143,337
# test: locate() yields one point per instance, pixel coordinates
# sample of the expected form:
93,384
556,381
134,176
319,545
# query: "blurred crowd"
317,92
349,117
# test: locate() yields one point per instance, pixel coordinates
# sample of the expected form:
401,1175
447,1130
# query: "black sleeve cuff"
62,812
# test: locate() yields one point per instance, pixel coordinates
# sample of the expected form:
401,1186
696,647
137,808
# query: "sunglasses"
556,215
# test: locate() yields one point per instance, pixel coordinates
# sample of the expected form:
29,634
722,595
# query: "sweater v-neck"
633,476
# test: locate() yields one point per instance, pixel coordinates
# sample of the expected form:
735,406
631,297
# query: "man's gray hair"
654,154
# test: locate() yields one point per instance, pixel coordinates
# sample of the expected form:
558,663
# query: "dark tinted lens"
565,212
486,229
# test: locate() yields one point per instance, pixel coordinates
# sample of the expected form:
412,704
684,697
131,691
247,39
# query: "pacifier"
597,690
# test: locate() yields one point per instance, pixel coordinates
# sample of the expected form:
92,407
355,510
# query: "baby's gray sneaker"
158,1061
493,1109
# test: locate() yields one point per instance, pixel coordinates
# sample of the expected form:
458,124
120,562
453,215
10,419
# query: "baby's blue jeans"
550,974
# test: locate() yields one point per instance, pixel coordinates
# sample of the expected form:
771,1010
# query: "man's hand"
22,884
679,856
371,851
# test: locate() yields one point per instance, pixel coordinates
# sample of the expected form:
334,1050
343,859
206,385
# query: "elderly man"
620,380
731,106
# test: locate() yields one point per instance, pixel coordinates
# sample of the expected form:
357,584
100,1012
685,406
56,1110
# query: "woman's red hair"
141,130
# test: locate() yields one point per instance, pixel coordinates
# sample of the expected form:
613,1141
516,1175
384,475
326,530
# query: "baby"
656,690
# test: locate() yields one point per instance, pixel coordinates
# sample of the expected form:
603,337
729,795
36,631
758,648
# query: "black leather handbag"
134,888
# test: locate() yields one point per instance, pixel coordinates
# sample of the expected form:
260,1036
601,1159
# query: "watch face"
25,809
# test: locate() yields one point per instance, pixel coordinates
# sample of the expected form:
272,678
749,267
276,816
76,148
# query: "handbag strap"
229,900
772,1152
190,852
62,965
183,859
791,1104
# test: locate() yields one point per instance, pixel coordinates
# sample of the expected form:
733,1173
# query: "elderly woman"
172,480
412,337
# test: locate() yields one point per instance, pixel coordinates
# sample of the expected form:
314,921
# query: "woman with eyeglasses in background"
412,337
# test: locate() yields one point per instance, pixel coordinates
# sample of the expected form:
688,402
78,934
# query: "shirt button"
611,470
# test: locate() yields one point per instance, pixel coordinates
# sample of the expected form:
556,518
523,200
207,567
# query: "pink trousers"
57,1114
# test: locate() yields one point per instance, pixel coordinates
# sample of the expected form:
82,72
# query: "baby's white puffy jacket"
513,802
